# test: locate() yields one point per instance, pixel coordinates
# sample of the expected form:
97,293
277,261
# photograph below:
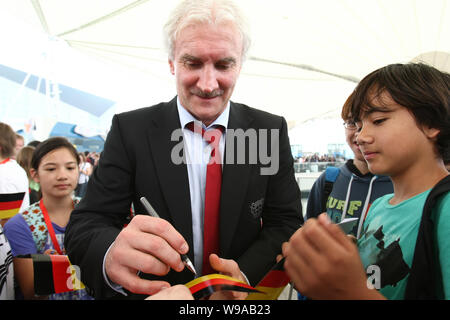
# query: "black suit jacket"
136,162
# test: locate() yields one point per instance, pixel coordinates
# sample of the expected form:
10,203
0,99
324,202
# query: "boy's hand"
324,263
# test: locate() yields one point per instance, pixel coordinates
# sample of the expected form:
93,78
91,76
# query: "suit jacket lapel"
235,179
172,177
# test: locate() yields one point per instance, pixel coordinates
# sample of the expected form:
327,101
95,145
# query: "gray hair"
192,12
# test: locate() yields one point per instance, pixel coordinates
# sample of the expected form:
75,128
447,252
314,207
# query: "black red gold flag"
10,204
206,285
54,274
271,286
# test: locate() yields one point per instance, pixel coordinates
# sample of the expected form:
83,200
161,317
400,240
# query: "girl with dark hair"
40,229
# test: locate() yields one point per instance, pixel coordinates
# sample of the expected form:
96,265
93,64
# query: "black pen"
187,262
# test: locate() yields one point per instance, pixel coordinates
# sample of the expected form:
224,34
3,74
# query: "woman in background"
24,160
85,171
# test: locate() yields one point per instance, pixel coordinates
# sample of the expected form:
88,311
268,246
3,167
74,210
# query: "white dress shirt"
198,153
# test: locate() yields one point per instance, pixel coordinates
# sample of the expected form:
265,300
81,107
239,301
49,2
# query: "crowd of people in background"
316,157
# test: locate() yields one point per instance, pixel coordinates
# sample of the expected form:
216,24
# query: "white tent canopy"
305,59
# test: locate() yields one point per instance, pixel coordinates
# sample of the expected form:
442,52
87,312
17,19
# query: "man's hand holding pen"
147,244
152,245
152,212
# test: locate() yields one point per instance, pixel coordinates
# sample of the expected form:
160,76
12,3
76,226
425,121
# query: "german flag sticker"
206,285
272,284
54,274
10,204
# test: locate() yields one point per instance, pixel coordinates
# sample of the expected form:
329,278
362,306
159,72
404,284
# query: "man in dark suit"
152,152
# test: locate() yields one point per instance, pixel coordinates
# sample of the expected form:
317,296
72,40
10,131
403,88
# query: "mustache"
203,94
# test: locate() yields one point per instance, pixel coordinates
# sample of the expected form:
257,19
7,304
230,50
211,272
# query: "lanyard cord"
5,161
363,216
347,198
50,229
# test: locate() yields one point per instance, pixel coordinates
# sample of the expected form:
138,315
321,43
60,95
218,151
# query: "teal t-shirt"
389,237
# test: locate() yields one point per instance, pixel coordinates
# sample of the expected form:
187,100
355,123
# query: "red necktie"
212,194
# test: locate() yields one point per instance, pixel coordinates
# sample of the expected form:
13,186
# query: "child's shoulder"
34,208
35,221
19,235
32,213
15,223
